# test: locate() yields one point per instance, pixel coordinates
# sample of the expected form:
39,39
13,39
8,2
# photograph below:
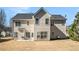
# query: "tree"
2,17
74,29
2,21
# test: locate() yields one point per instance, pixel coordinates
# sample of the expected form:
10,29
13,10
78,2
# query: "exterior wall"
59,29
25,28
42,27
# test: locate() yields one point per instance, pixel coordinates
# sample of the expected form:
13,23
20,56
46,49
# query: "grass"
55,45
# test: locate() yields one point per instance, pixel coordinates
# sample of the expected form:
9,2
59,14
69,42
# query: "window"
28,34
45,35
41,35
37,21
47,21
27,22
38,34
15,34
52,33
63,24
18,23
52,23
32,34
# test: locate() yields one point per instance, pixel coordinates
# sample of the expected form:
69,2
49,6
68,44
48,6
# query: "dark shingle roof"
39,14
58,17
23,16
41,10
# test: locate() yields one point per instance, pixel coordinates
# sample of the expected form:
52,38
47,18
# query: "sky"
70,12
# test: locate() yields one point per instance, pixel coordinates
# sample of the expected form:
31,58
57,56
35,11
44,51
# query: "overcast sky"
69,11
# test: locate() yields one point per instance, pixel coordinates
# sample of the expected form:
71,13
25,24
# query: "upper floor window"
47,21
27,22
52,23
17,23
37,21
63,24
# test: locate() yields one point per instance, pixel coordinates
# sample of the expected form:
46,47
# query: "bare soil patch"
55,45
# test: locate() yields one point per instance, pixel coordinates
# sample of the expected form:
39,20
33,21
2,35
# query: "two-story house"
38,26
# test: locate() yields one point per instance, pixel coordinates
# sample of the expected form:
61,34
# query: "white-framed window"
41,35
52,23
15,34
17,23
28,34
32,34
52,33
63,24
27,22
37,21
46,21
38,34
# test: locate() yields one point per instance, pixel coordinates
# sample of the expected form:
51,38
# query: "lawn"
55,45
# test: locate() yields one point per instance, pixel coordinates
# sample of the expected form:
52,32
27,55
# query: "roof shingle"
23,16
58,17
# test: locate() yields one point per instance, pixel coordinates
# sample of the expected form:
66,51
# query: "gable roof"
23,16
57,17
40,10
40,13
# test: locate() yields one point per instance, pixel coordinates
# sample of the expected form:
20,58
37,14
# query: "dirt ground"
55,45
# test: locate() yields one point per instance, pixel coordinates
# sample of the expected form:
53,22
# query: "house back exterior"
38,26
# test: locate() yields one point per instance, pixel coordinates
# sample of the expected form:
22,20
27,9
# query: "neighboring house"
38,26
5,31
8,31
2,30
